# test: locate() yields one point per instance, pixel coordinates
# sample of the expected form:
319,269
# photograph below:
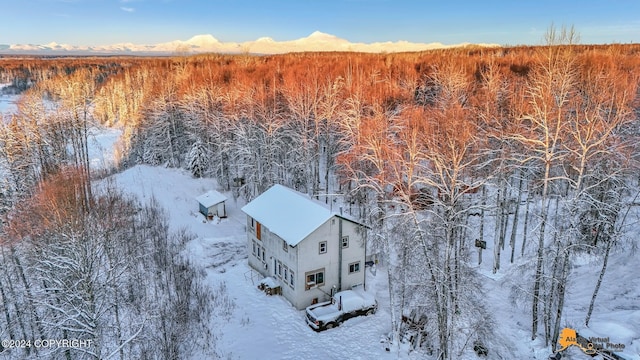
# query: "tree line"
531,148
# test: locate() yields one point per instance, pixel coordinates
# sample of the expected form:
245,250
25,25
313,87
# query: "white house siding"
273,250
288,259
254,261
354,253
307,251
311,259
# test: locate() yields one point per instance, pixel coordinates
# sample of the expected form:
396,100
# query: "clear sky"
505,22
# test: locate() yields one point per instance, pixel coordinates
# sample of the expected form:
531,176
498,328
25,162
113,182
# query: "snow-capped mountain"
317,41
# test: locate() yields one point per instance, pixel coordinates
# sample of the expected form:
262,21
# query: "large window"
322,247
314,278
354,267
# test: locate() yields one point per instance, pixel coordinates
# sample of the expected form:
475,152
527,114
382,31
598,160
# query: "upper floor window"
345,242
322,247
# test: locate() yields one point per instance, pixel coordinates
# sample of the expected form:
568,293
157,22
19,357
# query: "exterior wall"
203,210
217,209
305,258
275,258
255,256
221,210
311,260
354,254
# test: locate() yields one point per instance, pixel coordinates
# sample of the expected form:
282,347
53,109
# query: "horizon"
147,22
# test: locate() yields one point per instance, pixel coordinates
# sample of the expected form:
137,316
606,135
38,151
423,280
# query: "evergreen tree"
197,160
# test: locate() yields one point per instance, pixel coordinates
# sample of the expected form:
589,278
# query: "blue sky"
102,22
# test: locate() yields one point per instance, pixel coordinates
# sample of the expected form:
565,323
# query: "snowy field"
7,104
263,327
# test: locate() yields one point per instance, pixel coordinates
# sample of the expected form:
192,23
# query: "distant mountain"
317,41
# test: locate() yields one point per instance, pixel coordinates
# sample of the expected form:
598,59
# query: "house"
310,250
212,204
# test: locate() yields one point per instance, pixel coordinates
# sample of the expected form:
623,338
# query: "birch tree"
550,88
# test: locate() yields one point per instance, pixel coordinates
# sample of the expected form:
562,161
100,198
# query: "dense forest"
426,148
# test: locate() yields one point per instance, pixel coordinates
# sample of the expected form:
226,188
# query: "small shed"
212,204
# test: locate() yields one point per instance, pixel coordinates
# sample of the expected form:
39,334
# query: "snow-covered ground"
7,103
269,327
101,146
260,326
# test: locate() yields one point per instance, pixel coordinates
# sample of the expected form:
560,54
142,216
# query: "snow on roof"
211,198
287,213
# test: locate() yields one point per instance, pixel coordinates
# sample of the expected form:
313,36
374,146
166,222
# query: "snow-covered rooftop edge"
211,198
290,214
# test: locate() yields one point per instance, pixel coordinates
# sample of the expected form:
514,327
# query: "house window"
354,267
345,242
291,282
285,247
253,223
258,231
322,247
254,248
279,269
286,274
263,255
314,278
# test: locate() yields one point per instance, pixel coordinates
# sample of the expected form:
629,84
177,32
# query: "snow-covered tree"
197,160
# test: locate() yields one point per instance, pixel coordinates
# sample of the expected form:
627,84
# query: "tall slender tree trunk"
498,231
537,283
562,286
598,283
526,223
514,228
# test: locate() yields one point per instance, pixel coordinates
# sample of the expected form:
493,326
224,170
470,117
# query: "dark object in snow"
238,181
481,244
480,349
413,330
270,286
556,356
368,263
